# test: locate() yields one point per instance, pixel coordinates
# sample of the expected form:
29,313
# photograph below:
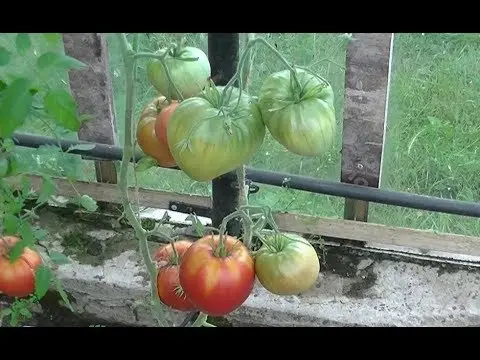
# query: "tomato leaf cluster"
24,97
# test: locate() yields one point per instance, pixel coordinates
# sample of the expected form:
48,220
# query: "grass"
433,135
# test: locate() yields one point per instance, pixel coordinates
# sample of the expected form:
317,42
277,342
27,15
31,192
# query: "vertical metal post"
366,97
223,55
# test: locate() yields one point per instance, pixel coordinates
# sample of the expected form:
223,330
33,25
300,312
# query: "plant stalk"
128,152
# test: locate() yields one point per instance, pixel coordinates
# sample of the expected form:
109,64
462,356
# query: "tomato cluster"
216,274
208,130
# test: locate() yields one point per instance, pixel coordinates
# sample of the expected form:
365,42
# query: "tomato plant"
216,274
298,111
31,96
188,69
151,144
287,264
212,131
210,135
169,258
17,277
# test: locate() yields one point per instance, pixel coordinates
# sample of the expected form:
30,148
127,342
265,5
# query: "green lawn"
433,135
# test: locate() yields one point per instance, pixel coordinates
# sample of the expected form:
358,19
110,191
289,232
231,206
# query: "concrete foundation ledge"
107,281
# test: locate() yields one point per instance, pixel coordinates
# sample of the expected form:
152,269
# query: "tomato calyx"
174,258
220,250
179,292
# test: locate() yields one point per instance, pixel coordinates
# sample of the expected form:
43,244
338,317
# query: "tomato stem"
238,74
175,260
128,151
161,57
201,320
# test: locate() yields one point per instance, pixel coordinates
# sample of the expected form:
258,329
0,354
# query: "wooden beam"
366,96
378,234
355,231
92,89
109,193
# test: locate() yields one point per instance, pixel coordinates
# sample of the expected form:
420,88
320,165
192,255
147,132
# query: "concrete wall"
107,281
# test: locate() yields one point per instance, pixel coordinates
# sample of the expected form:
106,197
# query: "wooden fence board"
366,97
92,90
299,223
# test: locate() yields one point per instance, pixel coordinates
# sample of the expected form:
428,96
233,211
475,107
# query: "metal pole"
223,56
275,178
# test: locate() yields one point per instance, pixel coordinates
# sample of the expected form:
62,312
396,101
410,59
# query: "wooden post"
367,76
92,90
223,55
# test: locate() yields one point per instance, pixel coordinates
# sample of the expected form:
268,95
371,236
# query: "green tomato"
289,266
207,139
189,76
302,119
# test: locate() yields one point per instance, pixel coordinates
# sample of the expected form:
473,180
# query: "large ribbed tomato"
288,265
189,69
168,284
301,118
217,278
208,139
17,278
151,144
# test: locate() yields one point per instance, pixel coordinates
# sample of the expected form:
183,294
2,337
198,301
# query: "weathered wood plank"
366,97
379,234
108,193
298,223
92,89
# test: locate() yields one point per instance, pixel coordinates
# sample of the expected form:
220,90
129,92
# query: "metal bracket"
252,187
190,209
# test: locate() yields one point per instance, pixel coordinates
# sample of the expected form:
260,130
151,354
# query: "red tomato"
168,284
217,279
162,122
146,138
17,278
165,254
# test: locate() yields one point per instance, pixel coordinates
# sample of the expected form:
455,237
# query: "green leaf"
26,186
17,250
33,91
5,56
145,163
199,228
46,190
25,312
59,61
15,106
81,147
11,223
26,233
58,258
23,43
52,37
88,203
3,85
43,275
39,233
63,294
62,107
